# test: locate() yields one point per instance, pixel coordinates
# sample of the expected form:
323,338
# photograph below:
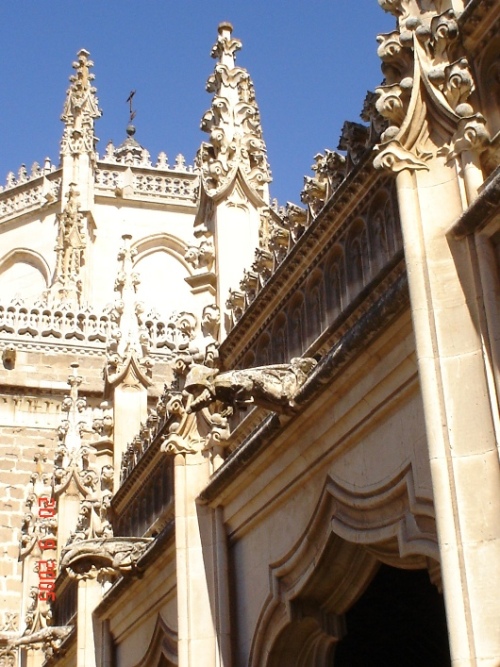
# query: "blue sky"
311,61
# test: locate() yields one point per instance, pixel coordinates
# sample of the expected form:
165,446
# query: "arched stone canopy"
332,564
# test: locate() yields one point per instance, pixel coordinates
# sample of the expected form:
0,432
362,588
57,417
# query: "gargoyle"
272,387
117,554
51,637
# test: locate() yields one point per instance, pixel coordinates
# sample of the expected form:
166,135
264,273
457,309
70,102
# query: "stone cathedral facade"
239,434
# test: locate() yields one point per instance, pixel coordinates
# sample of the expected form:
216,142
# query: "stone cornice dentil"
233,123
428,83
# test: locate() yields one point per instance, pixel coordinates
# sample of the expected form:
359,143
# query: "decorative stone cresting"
38,190
282,227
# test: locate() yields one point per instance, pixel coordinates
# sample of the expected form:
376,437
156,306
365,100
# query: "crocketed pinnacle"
81,108
130,338
232,123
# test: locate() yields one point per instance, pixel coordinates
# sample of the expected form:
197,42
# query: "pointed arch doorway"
338,602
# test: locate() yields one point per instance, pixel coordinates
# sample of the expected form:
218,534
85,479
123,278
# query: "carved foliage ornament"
330,170
130,337
75,462
279,230
428,83
36,526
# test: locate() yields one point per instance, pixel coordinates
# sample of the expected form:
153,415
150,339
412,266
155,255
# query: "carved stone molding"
163,643
324,573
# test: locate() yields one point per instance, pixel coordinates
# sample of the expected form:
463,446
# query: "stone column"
202,588
89,596
446,306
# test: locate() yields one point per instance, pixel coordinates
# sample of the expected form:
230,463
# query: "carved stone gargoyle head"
272,387
115,555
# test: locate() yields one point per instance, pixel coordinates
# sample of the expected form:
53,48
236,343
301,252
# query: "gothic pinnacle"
81,108
232,123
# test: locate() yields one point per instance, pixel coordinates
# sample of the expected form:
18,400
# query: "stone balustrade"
21,196
172,184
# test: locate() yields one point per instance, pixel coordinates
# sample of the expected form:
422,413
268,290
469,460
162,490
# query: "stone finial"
226,46
81,108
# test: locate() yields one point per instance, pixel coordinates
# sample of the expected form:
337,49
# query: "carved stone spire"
233,124
67,284
78,153
81,108
130,338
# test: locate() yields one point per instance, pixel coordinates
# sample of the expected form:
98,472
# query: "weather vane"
129,100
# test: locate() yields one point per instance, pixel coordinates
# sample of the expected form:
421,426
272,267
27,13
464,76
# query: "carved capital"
427,89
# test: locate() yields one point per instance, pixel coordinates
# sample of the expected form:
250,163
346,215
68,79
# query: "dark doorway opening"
399,620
